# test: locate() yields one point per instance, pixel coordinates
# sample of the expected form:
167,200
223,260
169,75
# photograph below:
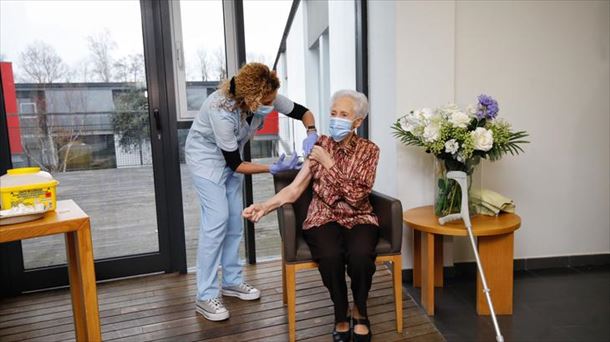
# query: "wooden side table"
70,220
495,236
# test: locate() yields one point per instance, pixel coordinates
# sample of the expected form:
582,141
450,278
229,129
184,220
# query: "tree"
100,48
130,121
81,72
68,132
66,137
136,67
220,63
48,150
121,70
130,68
41,63
203,59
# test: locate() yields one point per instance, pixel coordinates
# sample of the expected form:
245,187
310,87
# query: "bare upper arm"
301,181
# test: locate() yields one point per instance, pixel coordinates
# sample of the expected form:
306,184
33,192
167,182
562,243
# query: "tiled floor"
568,304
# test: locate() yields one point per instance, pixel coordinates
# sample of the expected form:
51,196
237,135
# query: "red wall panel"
271,125
10,104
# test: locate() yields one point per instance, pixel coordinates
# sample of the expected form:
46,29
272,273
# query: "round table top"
423,219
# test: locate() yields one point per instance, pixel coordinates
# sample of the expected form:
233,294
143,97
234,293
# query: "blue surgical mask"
339,128
262,111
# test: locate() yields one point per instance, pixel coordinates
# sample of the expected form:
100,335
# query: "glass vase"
447,192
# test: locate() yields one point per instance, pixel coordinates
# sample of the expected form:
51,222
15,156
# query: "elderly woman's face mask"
343,119
340,128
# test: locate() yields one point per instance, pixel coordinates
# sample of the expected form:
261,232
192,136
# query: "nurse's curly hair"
252,83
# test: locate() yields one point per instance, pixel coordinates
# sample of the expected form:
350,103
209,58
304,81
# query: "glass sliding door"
198,50
82,88
262,39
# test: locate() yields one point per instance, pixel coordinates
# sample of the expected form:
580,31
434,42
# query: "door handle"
157,118
157,122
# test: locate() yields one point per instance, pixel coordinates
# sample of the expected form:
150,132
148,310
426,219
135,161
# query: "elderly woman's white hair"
361,104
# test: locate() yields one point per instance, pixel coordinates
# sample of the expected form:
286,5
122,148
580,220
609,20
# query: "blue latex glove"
283,165
309,142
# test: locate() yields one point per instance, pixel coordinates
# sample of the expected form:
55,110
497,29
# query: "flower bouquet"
459,139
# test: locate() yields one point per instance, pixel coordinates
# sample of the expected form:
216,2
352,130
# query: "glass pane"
202,37
264,23
263,39
203,40
203,47
82,114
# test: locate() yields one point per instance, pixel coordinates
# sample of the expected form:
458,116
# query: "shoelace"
216,303
246,287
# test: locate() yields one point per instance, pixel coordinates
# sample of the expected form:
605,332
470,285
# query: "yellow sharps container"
28,186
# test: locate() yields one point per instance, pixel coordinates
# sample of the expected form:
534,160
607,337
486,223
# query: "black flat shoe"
358,337
343,336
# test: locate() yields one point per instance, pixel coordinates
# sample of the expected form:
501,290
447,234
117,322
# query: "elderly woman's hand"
254,212
320,155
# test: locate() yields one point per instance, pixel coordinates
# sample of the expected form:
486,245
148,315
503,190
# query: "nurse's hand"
254,212
282,165
309,142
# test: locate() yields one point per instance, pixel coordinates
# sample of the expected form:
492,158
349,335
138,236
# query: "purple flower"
488,107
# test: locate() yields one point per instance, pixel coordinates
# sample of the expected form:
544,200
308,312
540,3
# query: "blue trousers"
220,233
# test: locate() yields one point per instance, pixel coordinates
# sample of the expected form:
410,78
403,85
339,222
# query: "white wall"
409,67
342,39
554,82
292,71
382,97
548,65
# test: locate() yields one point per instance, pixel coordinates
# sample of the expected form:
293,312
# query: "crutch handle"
449,218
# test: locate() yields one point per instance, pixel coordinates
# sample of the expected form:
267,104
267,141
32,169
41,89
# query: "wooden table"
495,236
70,220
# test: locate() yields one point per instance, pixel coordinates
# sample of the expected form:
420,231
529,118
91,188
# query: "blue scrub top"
215,128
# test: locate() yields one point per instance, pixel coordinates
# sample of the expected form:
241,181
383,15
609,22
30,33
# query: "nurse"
227,120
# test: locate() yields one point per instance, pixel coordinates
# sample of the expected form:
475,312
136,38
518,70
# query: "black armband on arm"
297,112
233,159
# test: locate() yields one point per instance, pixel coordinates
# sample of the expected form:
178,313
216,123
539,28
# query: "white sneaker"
212,309
242,291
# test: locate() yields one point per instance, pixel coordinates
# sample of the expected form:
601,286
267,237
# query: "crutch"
461,178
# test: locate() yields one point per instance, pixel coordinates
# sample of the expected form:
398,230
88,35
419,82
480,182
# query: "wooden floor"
161,307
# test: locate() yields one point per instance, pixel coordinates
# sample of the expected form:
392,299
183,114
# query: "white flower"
451,146
459,119
425,114
416,119
449,108
409,122
483,139
432,132
471,110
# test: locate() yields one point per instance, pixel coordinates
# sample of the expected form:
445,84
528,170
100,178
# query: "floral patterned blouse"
341,193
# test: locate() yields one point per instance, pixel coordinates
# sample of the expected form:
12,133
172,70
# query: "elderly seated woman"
341,228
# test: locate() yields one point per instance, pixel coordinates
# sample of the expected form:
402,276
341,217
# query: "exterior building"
79,119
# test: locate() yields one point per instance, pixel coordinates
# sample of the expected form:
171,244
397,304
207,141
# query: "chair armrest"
389,213
287,223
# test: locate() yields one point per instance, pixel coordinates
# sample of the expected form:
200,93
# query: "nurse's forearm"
252,168
308,119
